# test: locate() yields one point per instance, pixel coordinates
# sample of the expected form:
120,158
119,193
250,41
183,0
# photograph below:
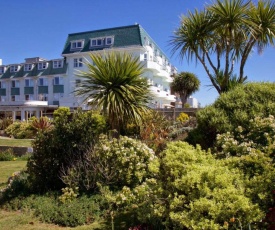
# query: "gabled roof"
125,36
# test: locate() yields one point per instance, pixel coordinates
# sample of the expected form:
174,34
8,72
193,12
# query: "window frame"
57,64
30,82
75,44
2,69
42,65
45,81
78,62
15,84
28,67
60,80
14,68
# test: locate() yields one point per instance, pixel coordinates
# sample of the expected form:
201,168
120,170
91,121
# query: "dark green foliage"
232,109
5,122
18,186
83,210
57,148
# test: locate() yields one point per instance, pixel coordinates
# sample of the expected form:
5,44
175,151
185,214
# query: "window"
145,57
78,62
109,41
14,68
42,65
15,98
77,82
28,82
29,97
2,69
57,64
43,97
27,67
2,85
77,44
15,84
3,98
102,41
58,81
57,96
42,81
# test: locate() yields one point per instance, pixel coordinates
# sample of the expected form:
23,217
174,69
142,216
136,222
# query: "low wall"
18,151
173,113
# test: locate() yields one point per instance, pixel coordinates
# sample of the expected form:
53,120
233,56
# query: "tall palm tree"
185,83
224,34
114,84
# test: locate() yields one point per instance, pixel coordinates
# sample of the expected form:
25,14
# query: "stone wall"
18,151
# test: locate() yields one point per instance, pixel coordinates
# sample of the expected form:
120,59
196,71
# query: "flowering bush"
116,163
258,136
191,190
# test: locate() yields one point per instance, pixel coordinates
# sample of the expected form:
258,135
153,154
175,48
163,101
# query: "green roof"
133,35
35,72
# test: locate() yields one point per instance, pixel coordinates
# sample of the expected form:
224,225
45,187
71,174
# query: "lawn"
5,141
25,221
9,167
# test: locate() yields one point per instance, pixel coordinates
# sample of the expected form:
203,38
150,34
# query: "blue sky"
32,28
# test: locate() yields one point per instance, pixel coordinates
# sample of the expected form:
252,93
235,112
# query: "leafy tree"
224,33
114,83
185,83
232,109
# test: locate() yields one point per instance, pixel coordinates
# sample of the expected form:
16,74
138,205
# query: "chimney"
0,61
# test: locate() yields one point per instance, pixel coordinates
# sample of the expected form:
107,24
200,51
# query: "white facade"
39,85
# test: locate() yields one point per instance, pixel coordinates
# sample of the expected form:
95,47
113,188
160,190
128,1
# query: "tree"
224,33
114,84
185,83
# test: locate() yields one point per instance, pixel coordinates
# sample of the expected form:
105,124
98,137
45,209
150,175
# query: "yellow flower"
14,158
232,219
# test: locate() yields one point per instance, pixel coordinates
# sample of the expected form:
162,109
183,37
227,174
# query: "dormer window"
109,41
57,64
14,68
42,65
2,69
27,67
101,41
75,45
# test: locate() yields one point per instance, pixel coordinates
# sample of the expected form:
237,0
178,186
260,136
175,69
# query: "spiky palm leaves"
114,84
225,33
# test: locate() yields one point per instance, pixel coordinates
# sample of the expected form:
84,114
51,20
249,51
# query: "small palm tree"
114,84
185,83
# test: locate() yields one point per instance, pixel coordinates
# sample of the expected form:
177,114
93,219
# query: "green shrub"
20,130
7,155
5,122
116,163
57,148
193,190
232,109
259,135
18,185
83,210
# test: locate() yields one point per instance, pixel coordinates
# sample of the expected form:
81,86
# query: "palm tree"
224,34
114,84
185,83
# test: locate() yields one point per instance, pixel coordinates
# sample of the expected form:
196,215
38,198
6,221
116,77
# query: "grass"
9,167
25,221
5,141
